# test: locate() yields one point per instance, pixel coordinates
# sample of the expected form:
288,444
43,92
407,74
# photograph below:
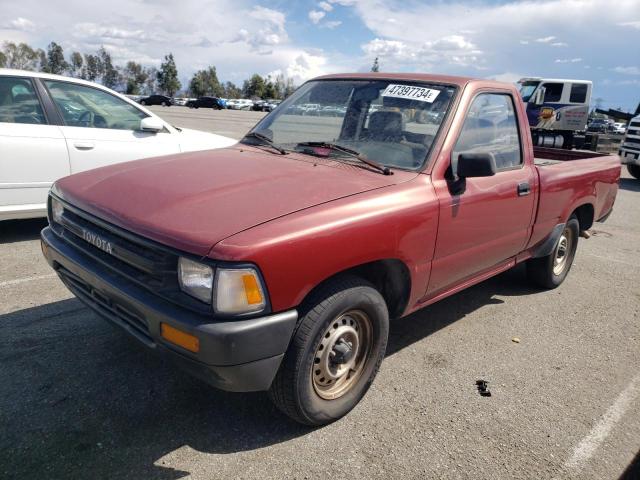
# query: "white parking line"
589,444
18,281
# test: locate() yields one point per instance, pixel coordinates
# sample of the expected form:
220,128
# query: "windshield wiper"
266,140
348,151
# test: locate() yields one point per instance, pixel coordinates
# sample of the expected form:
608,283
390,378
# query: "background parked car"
181,102
52,126
206,102
240,104
598,125
157,100
619,128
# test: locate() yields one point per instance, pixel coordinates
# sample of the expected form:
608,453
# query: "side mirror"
538,98
151,124
472,165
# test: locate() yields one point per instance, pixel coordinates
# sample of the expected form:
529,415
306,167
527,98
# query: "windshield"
527,89
393,123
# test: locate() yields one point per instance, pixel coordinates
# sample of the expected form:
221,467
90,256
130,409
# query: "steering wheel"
87,118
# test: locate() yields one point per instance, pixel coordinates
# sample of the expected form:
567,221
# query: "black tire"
142,102
164,104
294,390
634,170
546,272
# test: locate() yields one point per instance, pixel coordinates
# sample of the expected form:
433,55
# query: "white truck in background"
556,109
630,147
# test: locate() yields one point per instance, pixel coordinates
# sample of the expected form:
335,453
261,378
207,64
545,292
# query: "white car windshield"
391,122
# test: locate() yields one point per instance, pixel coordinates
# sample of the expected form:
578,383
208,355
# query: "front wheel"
634,170
550,271
335,352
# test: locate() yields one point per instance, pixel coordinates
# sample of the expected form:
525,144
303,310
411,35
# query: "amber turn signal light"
180,338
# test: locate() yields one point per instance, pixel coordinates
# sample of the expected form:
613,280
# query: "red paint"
302,221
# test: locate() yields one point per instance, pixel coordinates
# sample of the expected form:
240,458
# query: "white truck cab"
630,147
556,108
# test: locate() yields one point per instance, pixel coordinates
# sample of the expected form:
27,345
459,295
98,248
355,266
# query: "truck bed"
550,156
565,185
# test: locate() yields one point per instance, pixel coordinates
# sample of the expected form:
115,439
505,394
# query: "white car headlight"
238,290
195,279
57,209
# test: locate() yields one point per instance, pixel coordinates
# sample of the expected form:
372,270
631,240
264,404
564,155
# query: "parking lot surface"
79,399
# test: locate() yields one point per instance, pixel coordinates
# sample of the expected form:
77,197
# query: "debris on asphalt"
515,340
483,388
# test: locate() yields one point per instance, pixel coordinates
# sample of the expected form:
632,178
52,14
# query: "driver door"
101,129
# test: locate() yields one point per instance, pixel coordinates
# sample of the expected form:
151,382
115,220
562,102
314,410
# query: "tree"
376,66
151,85
110,75
205,82
135,77
168,76
254,87
54,61
21,56
3,60
289,88
75,69
231,90
93,67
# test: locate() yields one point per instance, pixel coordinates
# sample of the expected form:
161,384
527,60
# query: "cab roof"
416,77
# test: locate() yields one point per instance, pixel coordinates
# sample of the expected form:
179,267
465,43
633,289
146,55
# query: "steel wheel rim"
334,372
563,250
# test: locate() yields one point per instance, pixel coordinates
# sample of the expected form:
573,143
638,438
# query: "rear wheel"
550,271
143,102
335,352
634,170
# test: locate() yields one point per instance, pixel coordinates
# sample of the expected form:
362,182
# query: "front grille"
147,264
106,306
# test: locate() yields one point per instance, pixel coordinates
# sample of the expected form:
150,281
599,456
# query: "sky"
596,40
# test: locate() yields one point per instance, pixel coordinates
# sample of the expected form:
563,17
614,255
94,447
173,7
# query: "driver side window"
491,127
83,106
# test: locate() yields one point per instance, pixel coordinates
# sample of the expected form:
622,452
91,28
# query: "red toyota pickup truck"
276,264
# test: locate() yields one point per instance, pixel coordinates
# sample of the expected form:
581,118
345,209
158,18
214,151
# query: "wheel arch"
586,215
391,277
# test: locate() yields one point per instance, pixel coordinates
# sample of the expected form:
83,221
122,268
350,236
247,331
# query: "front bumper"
236,355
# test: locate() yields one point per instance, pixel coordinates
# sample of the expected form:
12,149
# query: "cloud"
21,24
635,24
326,6
567,60
559,44
627,70
331,24
545,39
524,42
507,77
316,15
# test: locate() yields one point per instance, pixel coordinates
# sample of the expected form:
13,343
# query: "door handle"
84,145
524,189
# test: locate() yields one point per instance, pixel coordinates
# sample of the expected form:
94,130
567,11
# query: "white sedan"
52,126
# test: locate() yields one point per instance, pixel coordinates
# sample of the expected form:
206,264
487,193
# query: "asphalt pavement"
79,399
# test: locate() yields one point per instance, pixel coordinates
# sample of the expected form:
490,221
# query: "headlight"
238,291
195,279
57,209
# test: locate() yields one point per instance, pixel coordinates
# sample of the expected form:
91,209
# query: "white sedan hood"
195,140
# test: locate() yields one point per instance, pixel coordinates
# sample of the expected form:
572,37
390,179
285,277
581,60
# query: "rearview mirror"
151,124
472,165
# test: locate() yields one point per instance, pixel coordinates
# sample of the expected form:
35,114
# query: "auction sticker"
409,92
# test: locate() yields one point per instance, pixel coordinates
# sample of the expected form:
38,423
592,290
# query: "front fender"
297,252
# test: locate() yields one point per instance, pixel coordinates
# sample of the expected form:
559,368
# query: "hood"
195,140
192,201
